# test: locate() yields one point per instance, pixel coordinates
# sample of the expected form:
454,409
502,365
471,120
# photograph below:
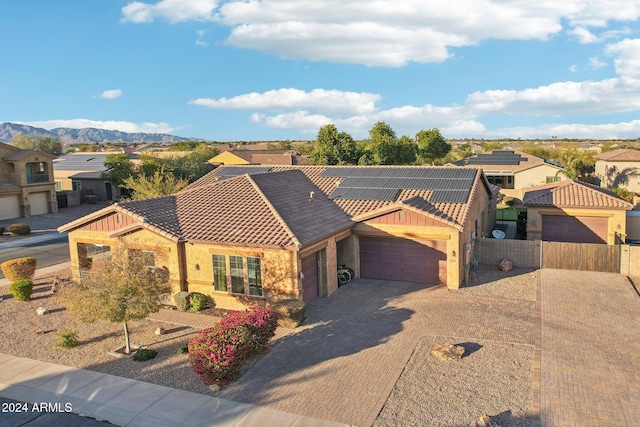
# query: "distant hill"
87,135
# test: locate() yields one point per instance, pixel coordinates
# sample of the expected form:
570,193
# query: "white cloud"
595,63
627,62
385,32
172,10
201,43
573,68
330,101
122,126
111,94
620,130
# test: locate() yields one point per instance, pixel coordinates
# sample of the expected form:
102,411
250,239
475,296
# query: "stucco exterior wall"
617,223
537,176
620,174
228,158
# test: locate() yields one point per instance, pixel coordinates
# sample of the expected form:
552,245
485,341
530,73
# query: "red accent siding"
109,223
403,260
310,279
403,217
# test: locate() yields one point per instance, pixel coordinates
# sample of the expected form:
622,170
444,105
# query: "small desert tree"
117,289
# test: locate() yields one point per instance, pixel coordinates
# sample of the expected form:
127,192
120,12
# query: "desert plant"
198,302
21,289
67,338
217,354
183,349
144,354
19,268
19,229
182,300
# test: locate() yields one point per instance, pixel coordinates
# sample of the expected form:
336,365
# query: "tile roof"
573,194
82,161
455,213
530,162
8,186
274,209
20,154
620,155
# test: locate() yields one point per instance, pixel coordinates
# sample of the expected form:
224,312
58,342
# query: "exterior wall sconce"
197,266
301,275
533,223
453,254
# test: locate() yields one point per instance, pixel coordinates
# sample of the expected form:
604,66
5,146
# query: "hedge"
19,268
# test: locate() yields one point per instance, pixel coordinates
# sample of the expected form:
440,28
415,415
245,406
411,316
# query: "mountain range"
85,135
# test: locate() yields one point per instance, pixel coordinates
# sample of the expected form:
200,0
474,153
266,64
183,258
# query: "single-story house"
575,211
514,170
254,234
260,157
85,171
26,183
619,169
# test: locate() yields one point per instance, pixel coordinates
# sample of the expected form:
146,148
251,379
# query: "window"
76,185
148,257
237,274
551,179
220,273
231,270
58,185
254,274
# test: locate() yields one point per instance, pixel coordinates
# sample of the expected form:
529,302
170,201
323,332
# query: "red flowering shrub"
217,354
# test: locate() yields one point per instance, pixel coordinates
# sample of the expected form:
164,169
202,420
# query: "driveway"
589,352
343,363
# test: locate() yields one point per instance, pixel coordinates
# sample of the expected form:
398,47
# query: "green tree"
387,149
432,146
194,165
117,289
492,145
332,147
577,163
119,168
159,184
46,143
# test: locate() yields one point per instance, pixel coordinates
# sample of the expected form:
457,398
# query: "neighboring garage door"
579,229
310,277
38,203
404,260
9,207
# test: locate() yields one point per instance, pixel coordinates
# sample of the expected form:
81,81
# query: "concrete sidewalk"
126,402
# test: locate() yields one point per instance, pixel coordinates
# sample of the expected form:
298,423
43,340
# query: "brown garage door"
310,277
403,259
578,229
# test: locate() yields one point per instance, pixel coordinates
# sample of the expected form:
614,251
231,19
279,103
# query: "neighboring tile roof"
7,186
573,194
21,154
273,209
82,161
96,175
529,161
271,157
456,213
620,155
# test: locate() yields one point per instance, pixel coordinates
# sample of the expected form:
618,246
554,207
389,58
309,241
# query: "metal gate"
581,256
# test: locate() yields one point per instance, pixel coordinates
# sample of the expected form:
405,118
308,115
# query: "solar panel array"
497,157
448,185
230,172
87,162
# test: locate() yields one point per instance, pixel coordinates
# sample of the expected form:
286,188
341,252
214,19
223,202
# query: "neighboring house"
575,211
253,234
84,171
260,157
619,169
513,170
26,183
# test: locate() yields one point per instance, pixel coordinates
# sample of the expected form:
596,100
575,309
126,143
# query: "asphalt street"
50,252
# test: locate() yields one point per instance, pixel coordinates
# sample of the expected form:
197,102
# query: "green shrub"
217,354
182,300
66,338
183,349
144,354
508,201
198,302
21,289
19,229
1,230
19,269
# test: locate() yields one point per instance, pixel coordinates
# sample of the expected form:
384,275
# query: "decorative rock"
160,331
448,351
214,388
484,421
41,310
505,265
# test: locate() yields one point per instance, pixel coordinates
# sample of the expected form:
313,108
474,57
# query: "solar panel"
349,193
228,172
449,196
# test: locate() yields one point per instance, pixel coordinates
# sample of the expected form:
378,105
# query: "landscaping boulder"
484,421
448,351
505,265
290,312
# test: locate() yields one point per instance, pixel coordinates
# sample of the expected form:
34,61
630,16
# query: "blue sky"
281,69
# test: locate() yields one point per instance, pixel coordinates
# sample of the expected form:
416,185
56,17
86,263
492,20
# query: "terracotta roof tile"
620,155
575,194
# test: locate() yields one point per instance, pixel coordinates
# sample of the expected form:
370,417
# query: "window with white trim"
237,274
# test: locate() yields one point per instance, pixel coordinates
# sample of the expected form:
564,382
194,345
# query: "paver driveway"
589,350
343,363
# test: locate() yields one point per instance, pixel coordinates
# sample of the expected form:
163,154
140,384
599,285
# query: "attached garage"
404,260
38,202
310,277
576,229
9,207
